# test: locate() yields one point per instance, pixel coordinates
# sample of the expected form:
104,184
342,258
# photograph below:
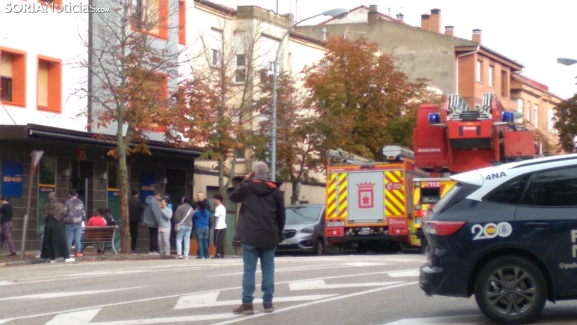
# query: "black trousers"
133,234
153,239
220,241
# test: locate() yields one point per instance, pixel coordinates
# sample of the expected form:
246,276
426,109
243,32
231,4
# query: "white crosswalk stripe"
210,300
320,284
66,294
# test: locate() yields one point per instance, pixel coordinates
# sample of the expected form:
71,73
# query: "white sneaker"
186,258
71,259
38,256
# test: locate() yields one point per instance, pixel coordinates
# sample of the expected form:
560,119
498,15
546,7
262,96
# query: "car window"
555,188
456,194
509,192
303,214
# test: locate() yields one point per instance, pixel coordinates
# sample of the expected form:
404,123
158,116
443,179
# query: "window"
536,115
150,16
47,171
268,48
510,192
550,120
113,176
49,84
240,57
13,77
239,153
555,188
182,22
519,105
153,95
504,84
479,71
216,46
528,112
492,76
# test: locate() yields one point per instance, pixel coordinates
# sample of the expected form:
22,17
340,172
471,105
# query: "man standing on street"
73,222
219,226
151,215
134,215
260,229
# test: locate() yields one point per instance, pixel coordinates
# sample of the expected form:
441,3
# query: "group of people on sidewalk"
188,217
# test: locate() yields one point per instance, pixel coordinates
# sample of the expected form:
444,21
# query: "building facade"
452,64
44,106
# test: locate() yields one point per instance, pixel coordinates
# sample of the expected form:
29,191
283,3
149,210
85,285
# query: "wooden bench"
97,235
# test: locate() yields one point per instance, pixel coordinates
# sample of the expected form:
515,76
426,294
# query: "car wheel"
511,290
319,247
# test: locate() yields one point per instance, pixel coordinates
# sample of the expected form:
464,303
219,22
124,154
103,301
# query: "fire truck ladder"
457,106
342,157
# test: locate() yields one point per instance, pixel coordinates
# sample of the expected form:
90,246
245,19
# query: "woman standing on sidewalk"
6,224
201,228
183,219
54,244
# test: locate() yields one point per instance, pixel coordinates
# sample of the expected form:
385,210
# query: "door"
548,223
81,173
365,191
176,189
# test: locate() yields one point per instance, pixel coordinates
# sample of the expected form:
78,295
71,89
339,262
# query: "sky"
533,33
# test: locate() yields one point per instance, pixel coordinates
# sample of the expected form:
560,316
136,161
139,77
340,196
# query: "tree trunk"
296,193
124,189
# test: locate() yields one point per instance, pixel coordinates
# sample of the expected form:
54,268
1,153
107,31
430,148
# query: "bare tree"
219,97
133,62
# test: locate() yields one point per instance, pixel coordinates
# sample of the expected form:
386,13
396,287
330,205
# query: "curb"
119,257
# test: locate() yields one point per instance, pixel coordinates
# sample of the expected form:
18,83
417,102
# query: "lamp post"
566,61
335,13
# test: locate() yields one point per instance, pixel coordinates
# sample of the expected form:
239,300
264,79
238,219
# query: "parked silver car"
304,229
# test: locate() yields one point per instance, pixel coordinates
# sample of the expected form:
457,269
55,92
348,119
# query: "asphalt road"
342,289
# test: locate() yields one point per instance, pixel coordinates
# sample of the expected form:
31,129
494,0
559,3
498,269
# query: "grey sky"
534,33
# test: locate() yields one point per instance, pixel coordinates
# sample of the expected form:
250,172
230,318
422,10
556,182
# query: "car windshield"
302,214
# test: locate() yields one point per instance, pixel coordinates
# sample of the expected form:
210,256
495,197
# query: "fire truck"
369,202
457,139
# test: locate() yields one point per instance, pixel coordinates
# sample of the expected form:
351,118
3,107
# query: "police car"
508,235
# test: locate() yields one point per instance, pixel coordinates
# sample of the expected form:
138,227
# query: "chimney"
435,21
373,14
449,30
425,21
400,17
324,34
477,35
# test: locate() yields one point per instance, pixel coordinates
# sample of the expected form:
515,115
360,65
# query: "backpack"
75,212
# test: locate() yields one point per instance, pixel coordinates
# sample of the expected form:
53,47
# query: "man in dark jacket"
260,229
134,215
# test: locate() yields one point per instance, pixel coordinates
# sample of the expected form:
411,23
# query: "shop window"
47,171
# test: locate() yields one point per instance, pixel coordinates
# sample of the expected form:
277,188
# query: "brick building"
453,64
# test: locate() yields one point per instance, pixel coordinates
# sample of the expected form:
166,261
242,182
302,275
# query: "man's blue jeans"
202,239
250,256
74,233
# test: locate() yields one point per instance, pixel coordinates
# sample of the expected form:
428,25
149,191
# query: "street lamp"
566,61
335,13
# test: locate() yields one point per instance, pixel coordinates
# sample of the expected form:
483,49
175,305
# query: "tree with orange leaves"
362,98
299,135
130,72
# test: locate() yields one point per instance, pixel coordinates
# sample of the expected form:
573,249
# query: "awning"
19,132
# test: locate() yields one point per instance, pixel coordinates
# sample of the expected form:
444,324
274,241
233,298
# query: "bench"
97,235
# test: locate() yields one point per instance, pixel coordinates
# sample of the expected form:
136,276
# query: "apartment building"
210,25
452,64
44,106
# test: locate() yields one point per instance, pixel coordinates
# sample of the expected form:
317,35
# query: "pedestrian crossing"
325,290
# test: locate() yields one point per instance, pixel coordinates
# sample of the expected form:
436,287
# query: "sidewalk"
90,255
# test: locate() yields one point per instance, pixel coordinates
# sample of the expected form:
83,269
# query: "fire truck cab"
369,203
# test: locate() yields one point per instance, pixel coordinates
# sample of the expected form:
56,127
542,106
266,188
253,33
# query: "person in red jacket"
97,220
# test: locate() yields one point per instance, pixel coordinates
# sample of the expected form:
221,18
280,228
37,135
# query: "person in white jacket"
164,228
